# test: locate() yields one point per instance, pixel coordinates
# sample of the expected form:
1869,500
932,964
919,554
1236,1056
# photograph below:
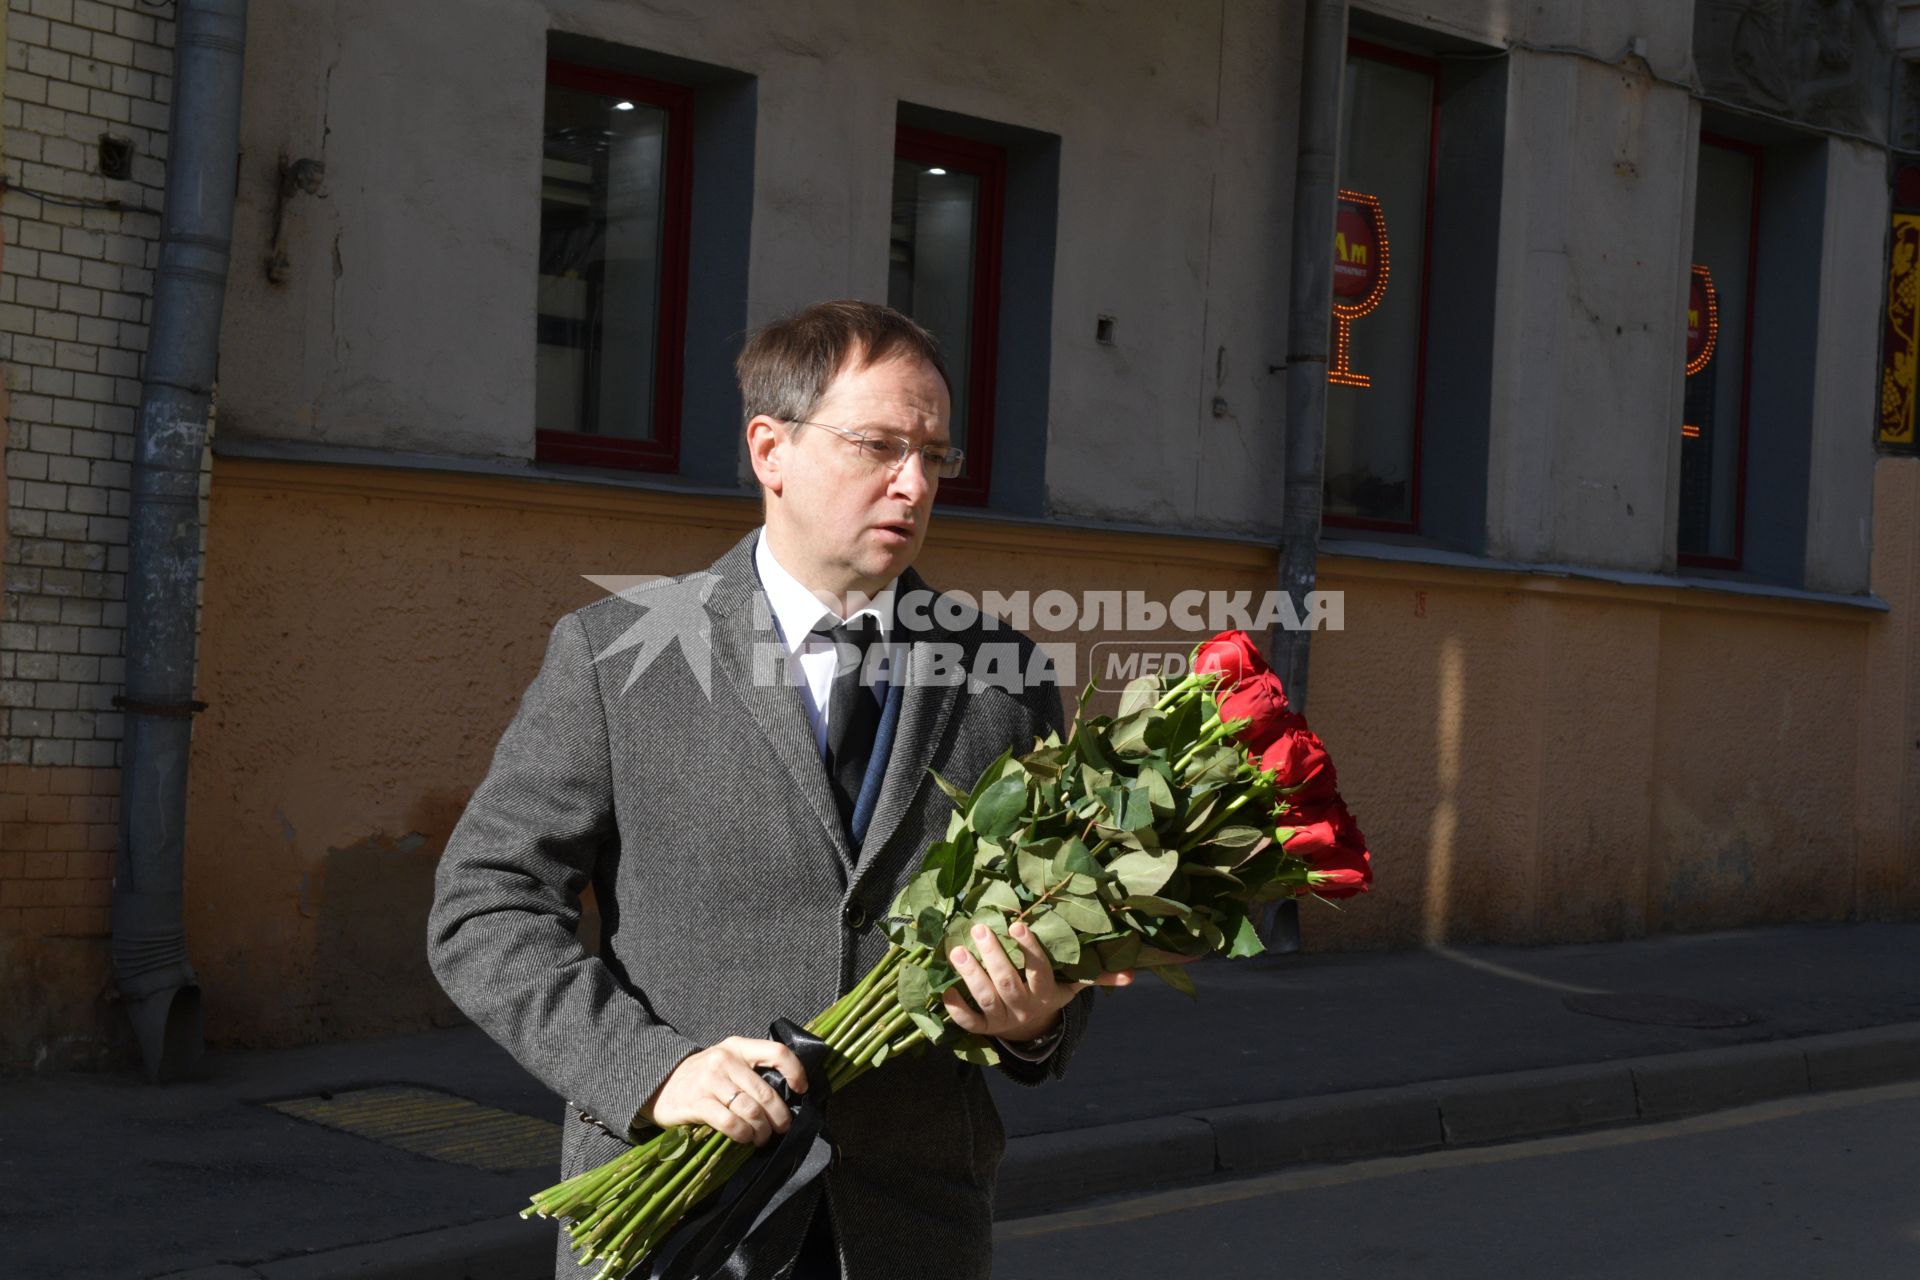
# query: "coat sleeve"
500,935
1043,702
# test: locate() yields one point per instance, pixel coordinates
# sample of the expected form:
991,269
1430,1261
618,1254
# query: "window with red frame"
1713,429
1387,129
944,271
614,190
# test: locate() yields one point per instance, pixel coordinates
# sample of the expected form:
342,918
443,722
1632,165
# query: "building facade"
1630,552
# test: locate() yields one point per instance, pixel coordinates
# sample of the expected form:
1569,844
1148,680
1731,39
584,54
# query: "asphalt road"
1826,1186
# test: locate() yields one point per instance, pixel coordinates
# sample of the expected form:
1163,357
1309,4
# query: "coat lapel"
770,695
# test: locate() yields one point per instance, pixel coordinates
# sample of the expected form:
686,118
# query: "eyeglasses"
892,452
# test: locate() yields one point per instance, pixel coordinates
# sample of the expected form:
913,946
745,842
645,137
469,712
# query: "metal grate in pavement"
437,1125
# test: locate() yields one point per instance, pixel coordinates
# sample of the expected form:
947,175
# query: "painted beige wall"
1535,758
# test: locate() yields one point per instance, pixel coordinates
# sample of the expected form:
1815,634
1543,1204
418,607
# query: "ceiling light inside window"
938,172
623,106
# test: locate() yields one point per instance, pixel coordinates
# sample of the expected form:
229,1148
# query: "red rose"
1299,762
1335,850
1330,841
1314,837
1261,701
1232,652
1344,881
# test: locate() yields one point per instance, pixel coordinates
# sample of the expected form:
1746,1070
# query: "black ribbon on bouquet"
700,1247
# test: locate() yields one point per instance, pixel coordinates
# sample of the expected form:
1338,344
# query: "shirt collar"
796,609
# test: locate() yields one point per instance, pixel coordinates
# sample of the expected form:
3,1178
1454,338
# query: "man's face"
852,525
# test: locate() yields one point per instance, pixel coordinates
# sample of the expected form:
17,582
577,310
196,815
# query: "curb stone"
1103,1159
1146,1155
1551,1100
1367,1124
1689,1083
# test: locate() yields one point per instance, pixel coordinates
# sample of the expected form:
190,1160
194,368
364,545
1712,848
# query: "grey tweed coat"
728,896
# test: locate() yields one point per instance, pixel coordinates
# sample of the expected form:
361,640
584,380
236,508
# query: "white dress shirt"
796,610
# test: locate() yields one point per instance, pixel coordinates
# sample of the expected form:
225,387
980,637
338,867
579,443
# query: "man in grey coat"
746,805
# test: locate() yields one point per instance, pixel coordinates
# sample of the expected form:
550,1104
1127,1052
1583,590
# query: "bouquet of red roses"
1140,841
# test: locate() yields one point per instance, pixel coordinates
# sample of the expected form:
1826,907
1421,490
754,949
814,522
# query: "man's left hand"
1013,1005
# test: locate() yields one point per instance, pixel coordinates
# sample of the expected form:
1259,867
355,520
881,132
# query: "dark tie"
853,713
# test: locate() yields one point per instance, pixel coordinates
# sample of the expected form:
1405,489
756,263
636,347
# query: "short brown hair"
787,364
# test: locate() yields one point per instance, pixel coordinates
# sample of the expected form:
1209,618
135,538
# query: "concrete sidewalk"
1281,1060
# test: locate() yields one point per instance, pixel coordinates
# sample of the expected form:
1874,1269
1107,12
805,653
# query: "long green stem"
1220,729
1180,691
627,1206
1213,822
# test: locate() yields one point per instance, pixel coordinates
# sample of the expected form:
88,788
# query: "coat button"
854,917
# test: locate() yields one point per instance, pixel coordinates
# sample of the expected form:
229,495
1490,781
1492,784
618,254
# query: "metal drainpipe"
150,968
1309,327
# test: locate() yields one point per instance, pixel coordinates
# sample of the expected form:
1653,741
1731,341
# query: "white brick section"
74,306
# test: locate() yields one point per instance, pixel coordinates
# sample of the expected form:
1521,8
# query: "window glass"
1373,410
936,214
1713,423
602,207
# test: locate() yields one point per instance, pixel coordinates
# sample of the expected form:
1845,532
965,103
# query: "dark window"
944,271
1387,130
615,183
1713,430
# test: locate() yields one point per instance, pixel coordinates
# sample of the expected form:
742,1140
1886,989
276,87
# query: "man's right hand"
720,1088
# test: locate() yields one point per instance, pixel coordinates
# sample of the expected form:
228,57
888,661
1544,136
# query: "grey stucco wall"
408,320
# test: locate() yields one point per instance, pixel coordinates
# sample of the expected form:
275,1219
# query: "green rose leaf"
1000,896
1048,763
1129,733
1089,742
997,811
1121,953
1085,914
977,1050
1075,865
1201,869
960,797
1246,940
993,773
930,927
1145,872
913,988
957,935
1159,794
1056,935
1139,695
929,1026
1200,812
955,864
922,892
1035,872
1154,906
1218,765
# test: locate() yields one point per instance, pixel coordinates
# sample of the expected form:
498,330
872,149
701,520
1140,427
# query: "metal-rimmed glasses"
892,452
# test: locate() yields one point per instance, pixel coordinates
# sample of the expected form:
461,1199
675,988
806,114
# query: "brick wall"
74,305
58,830
75,299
